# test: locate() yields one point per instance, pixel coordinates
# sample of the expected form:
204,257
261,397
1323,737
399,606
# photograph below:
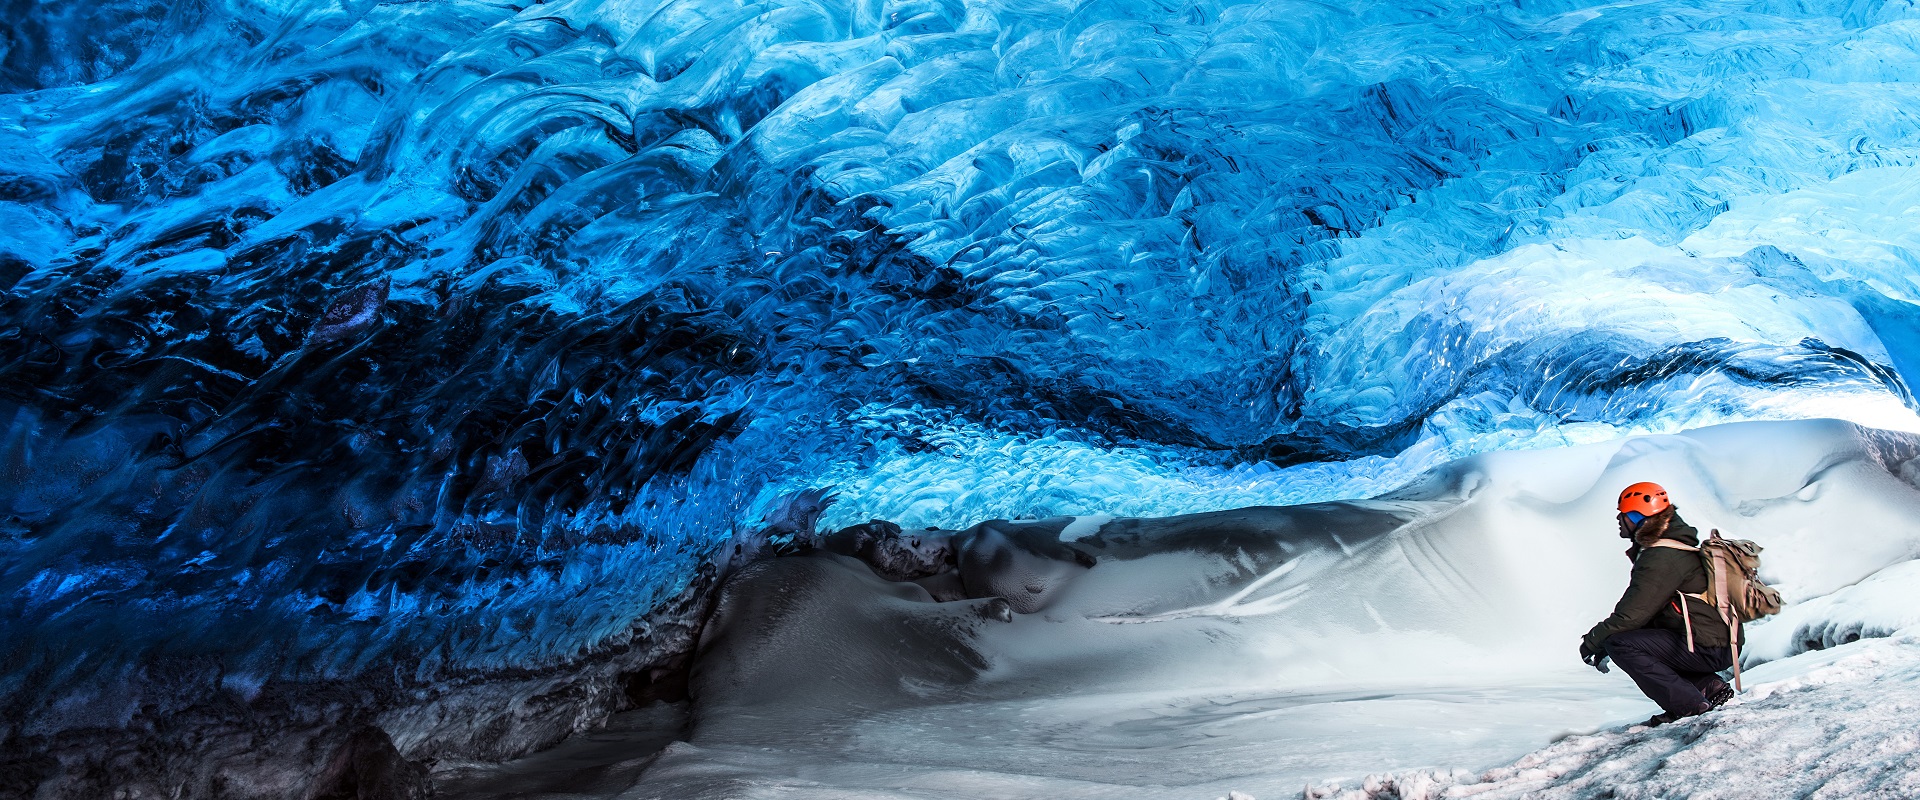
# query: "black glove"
1595,660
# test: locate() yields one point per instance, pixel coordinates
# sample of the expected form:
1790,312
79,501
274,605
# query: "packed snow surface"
1837,725
1426,638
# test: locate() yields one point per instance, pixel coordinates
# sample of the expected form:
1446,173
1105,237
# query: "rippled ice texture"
457,334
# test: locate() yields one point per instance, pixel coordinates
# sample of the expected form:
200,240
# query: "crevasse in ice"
455,335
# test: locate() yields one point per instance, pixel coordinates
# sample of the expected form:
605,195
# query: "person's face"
1630,522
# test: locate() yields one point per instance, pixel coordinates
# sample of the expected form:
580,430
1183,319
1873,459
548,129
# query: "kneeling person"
1648,633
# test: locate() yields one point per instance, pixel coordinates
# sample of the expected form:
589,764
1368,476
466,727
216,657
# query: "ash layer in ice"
382,348
1022,564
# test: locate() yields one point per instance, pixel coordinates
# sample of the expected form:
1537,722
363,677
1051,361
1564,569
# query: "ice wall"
414,338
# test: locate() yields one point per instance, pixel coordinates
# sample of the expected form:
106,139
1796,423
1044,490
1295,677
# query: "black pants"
1657,660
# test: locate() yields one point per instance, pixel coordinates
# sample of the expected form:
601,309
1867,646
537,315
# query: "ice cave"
927,399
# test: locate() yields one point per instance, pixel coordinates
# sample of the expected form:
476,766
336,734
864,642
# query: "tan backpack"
1732,572
1733,588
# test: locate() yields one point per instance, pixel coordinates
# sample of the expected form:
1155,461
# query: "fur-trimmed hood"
1665,525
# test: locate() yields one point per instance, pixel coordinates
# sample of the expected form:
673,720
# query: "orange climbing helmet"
1644,498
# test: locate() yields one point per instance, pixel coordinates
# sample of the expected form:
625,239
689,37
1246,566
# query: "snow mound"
1830,725
1877,606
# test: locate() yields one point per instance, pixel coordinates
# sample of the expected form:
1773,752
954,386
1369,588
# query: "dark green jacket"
1659,574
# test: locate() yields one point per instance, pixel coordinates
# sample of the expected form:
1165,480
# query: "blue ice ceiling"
458,334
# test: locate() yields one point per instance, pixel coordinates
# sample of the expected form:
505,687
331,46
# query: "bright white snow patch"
1085,526
1878,606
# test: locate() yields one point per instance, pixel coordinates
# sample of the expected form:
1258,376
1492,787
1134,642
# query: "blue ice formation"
456,335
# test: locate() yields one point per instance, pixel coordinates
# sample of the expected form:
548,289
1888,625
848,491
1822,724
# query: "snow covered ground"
1427,636
1832,724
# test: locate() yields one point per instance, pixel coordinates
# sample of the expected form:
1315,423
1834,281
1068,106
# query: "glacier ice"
344,338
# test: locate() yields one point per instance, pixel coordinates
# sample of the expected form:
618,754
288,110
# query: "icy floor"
1141,746
1832,724
1427,637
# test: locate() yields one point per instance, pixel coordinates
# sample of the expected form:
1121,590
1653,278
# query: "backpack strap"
1686,616
1724,604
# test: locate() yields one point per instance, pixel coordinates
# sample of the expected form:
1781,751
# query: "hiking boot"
1665,717
1719,697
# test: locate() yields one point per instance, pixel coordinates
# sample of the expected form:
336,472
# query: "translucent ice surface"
343,337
